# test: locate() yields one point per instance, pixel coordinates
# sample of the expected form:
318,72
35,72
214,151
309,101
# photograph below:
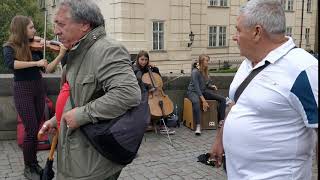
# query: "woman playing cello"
29,93
142,66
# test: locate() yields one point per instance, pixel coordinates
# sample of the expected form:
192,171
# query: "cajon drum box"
188,114
209,119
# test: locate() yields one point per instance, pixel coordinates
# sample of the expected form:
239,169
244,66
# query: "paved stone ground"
157,159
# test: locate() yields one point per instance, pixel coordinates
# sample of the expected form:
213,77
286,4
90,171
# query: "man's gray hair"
84,11
267,13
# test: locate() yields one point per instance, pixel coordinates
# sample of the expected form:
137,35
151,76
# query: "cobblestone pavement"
157,159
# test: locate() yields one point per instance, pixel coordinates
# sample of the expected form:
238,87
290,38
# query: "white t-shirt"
268,133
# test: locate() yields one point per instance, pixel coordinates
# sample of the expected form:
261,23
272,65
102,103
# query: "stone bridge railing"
174,85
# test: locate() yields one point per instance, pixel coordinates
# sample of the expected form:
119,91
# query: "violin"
51,45
159,103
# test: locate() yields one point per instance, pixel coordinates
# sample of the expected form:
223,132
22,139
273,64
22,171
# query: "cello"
159,103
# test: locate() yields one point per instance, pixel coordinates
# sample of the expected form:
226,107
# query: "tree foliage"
11,8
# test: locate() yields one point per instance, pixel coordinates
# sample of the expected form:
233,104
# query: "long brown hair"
203,70
140,54
18,38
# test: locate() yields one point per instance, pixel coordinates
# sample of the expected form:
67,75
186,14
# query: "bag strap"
71,100
253,73
245,83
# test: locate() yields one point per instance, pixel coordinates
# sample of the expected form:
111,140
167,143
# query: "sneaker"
198,130
149,128
30,173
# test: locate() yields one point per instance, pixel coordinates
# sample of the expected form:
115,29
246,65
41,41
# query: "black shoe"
30,173
38,169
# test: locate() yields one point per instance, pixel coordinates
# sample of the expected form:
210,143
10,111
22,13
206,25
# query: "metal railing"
219,64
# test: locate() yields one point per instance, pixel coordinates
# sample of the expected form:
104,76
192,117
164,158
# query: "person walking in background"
102,84
29,92
201,89
140,67
269,132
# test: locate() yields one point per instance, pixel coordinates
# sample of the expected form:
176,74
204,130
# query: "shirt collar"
280,51
77,43
92,35
275,54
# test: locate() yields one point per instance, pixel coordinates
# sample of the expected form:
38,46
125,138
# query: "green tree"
11,8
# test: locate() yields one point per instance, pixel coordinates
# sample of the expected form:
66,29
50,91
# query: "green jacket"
96,62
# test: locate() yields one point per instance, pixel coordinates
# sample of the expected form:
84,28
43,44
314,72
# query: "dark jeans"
29,99
208,95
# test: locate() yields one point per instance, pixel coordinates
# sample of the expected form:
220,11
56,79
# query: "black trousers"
29,99
208,95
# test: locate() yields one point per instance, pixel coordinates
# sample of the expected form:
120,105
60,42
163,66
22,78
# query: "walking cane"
48,172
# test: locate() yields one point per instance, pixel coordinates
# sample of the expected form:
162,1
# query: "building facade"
163,28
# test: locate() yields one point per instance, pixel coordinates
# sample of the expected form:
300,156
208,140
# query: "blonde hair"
203,70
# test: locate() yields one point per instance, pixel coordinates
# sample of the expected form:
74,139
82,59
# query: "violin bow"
45,33
173,79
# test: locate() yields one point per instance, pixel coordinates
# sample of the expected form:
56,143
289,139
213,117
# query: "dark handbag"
119,139
205,159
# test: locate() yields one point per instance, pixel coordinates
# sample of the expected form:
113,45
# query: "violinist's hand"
42,42
63,50
42,63
205,105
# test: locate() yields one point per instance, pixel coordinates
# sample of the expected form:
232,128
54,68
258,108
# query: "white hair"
84,11
267,13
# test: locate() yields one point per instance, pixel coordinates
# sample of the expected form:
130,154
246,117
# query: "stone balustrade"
175,87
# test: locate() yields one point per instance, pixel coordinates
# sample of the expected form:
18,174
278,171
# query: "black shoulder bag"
119,139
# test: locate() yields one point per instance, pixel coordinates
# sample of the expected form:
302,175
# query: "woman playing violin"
29,93
141,67
201,89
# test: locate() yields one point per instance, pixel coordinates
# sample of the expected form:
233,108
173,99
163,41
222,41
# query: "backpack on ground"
173,121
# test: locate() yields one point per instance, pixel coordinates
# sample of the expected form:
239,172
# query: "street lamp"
191,38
